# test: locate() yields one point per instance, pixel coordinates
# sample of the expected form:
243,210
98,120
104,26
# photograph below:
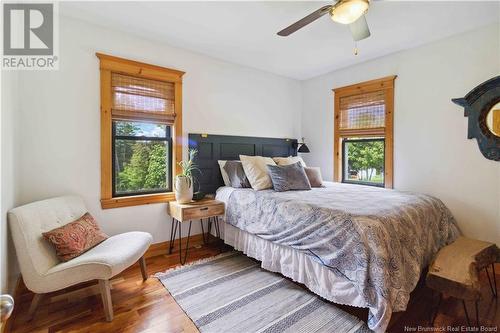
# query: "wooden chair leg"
34,304
144,272
106,299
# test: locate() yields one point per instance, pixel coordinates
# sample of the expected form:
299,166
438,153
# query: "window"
141,119
141,156
363,131
363,161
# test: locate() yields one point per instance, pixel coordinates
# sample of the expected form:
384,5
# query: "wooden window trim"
386,84
110,64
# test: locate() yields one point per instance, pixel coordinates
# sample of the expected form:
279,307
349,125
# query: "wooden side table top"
455,268
202,209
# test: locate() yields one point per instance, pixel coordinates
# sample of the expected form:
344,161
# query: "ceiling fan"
351,12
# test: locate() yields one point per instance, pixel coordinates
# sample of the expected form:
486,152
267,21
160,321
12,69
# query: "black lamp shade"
303,148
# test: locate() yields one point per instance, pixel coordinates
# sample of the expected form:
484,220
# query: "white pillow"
225,177
256,170
289,160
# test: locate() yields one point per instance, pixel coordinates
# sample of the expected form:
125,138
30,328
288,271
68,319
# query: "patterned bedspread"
378,239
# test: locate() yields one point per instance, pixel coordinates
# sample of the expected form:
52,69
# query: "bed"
351,244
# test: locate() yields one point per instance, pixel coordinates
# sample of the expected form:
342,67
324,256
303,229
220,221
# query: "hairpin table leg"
466,313
477,313
217,228
172,235
493,289
187,243
209,227
203,232
436,310
494,279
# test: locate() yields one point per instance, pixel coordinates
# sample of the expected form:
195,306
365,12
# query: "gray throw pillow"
236,174
288,177
314,176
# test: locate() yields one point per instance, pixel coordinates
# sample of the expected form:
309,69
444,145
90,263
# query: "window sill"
137,200
363,183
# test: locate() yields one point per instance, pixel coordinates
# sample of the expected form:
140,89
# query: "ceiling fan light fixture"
348,11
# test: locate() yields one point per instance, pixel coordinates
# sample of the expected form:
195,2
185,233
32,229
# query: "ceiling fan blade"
359,29
305,21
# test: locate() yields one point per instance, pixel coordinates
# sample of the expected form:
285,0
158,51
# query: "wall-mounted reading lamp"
303,147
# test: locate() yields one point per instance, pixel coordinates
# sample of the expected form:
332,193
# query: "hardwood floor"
147,306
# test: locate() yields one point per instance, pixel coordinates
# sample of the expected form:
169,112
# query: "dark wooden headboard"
212,148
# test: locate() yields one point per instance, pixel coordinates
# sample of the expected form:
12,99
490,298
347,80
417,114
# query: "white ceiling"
245,32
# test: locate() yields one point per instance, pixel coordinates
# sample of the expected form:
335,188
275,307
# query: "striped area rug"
231,293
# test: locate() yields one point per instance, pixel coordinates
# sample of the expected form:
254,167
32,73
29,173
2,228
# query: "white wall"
431,151
60,143
57,133
9,107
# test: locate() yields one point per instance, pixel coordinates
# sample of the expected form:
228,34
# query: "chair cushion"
101,262
27,223
75,238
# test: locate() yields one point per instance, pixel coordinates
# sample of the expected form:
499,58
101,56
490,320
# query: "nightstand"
182,213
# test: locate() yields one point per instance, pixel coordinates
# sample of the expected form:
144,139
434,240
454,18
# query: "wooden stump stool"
455,271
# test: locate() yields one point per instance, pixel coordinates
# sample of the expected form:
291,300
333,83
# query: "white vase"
183,188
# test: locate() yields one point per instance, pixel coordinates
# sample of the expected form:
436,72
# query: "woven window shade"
363,111
139,98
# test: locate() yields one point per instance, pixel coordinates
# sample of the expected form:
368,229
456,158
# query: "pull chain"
355,48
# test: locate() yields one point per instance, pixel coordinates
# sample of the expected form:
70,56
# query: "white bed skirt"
295,265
